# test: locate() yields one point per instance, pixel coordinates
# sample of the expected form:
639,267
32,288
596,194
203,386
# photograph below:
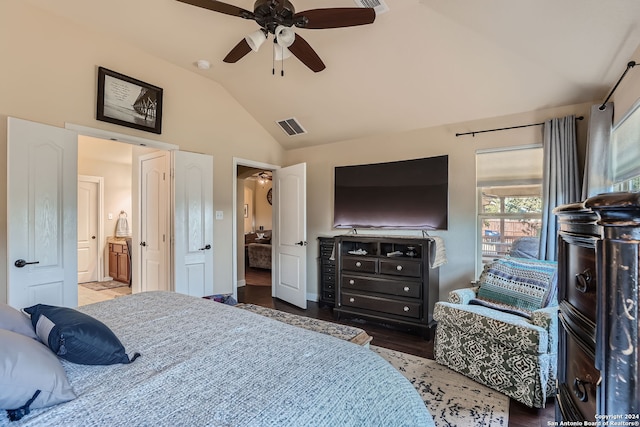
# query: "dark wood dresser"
386,279
327,271
598,272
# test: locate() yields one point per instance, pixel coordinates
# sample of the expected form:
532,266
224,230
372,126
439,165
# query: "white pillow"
27,365
16,321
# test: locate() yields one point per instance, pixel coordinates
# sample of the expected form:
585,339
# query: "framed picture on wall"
125,101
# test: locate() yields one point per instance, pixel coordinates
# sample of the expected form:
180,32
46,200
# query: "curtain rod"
630,65
511,127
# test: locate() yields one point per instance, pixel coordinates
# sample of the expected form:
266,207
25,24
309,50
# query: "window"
625,154
509,184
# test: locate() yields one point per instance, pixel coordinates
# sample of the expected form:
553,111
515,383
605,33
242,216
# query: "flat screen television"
407,194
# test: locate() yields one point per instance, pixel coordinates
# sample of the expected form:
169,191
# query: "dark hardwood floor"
392,337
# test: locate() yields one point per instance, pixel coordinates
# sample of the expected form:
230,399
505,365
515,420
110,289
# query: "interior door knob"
93,237
206,248
21,263
143,243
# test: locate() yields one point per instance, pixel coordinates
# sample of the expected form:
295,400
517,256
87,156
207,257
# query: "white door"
193,223
88,192
290,234
42,207
154,190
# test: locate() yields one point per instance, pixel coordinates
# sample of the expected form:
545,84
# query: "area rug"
101,286
452,399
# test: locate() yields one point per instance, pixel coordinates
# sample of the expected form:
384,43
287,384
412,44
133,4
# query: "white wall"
249,202
264,212
260,213
49,73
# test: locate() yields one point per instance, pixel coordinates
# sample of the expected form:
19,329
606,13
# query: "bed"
204,363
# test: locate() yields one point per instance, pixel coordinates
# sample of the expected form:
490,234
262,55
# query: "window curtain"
560,178
597,176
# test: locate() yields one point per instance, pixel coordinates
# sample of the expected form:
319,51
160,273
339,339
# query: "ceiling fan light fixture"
280,53
255,39
285,36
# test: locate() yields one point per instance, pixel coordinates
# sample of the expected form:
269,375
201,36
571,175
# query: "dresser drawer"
581,280
406,288
399,267
578,382
325,253
328,296
366,265
328,268
383,305
329,286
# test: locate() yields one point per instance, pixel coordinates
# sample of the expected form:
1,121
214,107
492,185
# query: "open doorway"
255,231
106,218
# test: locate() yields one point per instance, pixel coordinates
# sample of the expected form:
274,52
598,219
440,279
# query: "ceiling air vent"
291,126
379,5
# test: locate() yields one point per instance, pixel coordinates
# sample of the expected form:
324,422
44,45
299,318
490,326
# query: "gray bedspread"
208,364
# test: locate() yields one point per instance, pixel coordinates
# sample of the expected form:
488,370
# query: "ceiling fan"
277,17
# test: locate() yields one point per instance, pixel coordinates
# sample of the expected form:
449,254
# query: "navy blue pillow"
77,337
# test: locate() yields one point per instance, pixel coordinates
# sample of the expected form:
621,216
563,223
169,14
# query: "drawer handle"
358,264
351,282
583,281
399,267
352,300
580,389
406,289
406,308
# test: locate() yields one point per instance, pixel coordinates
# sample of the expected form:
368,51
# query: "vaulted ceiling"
422,63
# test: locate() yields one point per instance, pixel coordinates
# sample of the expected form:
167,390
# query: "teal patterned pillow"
518,285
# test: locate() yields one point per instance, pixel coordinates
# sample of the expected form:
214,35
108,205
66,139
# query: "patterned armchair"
503,332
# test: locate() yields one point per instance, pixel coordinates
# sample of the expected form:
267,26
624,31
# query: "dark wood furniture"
598,272
387,279
327,271
119,263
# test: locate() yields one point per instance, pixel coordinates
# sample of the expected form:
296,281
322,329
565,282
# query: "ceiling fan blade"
305,53
334,17
238,52
218,6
